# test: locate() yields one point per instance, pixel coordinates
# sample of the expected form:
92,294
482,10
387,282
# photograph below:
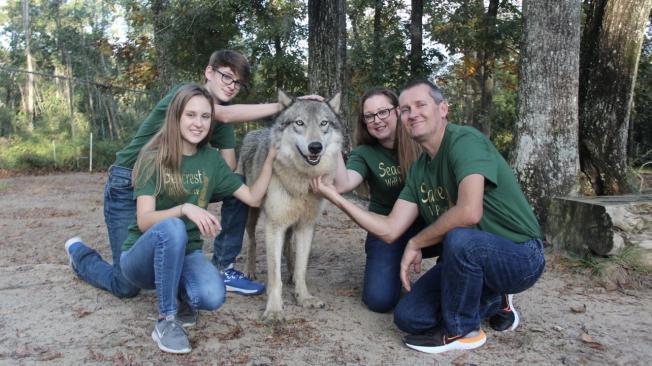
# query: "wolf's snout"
315,147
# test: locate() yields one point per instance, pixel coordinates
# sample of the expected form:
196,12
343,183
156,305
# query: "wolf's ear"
284,99
334,102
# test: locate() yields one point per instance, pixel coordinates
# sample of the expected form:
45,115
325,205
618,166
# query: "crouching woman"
174,178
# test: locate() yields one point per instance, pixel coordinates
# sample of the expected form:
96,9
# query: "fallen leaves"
589,341
580,309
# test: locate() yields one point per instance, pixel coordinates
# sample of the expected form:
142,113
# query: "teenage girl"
174,178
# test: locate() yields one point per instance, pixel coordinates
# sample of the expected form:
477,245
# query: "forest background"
69,69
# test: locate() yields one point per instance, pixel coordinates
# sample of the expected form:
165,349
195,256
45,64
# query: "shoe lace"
173,326
233,274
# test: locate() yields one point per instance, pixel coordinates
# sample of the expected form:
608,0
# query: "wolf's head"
308,128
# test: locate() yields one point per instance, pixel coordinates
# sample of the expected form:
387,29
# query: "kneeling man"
490,239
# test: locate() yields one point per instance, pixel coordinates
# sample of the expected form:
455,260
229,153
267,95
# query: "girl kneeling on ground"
174,178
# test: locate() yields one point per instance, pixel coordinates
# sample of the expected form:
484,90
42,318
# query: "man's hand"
206,222
326,189
411,256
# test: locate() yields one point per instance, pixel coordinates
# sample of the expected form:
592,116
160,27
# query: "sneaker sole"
463,344
238,290
162,347
67,245
510,298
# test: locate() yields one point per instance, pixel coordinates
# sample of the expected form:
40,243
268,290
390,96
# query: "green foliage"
627,268
43,153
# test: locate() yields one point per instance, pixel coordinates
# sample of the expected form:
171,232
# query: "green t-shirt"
223,136
379,166
204,174
433,184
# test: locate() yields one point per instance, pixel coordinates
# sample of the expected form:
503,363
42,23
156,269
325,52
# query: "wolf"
308,136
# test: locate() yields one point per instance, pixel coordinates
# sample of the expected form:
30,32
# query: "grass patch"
626,269
4,186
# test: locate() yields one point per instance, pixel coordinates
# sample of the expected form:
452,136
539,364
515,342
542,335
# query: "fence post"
54,152
90,155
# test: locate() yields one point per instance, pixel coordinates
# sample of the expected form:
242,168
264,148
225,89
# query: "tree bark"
29,85
327,53
545,157
161,42
611,47
486,68
416,40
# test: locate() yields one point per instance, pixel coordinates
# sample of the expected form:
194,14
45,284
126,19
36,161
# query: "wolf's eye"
299,122
324,123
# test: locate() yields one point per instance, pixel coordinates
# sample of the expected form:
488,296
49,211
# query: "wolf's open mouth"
312,159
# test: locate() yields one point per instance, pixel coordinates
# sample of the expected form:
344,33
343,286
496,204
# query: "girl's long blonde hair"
162,155
408,150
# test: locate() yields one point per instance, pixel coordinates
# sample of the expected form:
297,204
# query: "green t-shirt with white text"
379,166
223,136
433,184
204,174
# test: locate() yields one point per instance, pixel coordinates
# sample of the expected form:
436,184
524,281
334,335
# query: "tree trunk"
611,47
29,85
376,47
545,157
416,40
327,53
486,68
161,43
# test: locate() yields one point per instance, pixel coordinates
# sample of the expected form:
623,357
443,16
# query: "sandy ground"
48,315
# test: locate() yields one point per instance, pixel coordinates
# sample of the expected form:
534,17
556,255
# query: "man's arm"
229,157
387,228
467,212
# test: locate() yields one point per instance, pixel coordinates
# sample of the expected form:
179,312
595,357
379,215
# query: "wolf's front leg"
274,234
303,241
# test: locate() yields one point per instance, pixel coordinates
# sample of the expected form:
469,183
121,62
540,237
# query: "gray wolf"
308,136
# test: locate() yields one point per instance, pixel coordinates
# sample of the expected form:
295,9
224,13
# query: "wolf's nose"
315,147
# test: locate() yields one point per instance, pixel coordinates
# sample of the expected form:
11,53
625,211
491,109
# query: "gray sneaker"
186,315
170,336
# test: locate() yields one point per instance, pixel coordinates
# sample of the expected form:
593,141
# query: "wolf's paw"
312,303
273,316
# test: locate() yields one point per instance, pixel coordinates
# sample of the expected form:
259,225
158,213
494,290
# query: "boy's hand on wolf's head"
206,222
315,97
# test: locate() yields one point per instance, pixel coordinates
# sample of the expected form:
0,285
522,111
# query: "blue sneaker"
235,281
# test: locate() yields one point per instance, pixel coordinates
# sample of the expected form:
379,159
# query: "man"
226,74
463,188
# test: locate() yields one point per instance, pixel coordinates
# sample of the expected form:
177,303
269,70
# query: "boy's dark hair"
233,59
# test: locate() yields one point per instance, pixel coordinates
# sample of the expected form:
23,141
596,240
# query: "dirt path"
47,315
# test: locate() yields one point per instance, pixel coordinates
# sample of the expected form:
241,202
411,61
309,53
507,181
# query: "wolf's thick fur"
308,136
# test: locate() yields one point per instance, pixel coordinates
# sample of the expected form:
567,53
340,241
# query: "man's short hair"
435,92
234,60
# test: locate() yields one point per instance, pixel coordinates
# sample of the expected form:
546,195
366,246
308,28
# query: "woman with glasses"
382,157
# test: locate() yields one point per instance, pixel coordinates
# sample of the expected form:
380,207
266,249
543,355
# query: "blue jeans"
158,260
228,243
382,283
119,213
476,268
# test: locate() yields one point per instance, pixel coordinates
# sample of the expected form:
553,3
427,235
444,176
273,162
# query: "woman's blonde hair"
407,149
162,155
